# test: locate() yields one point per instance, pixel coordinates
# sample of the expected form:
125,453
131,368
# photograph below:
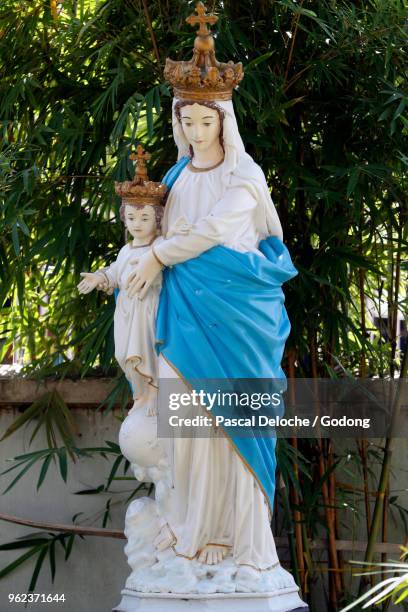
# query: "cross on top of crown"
202,19
141,157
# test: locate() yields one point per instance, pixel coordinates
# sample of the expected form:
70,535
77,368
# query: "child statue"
134,319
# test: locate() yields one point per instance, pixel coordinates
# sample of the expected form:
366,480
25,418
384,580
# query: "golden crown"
141,190
203,77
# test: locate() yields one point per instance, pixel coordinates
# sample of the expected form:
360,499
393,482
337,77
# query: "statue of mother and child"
199,296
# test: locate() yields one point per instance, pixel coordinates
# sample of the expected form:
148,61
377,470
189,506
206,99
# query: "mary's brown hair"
221,114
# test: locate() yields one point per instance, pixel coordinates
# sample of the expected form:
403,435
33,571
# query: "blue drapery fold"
222,315
171,175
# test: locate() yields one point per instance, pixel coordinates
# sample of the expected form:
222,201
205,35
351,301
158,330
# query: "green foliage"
322,109
53,415
393,588
40,544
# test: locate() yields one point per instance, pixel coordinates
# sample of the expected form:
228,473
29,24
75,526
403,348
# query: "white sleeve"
226,218
109,277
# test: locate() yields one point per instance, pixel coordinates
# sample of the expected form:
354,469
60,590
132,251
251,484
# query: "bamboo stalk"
390,293
53,9
361,283
362,449
394,319
334,586
310,576
362,444
393,296
298,522
332,492
291,534
384,530
77,529
295,22
293,493
384,478
151,31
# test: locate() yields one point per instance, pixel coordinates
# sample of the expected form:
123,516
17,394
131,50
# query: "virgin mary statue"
221,315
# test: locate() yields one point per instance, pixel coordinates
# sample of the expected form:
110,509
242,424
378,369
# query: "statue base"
286,600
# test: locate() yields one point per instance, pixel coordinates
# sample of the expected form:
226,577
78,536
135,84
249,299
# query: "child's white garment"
134,320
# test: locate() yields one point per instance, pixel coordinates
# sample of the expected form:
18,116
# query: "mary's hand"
142,278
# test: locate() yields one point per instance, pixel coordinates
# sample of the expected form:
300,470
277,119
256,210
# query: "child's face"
141,222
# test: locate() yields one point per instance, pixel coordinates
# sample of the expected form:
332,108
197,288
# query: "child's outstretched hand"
89,282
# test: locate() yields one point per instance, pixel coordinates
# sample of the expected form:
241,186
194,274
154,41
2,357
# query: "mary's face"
201,126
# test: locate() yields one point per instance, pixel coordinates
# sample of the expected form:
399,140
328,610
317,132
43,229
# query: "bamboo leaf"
25,543
20,474
16,242
114,469
52,559
37,569
63,465
353,180
44,470
28,414
12,566
149,112
69,546
106,515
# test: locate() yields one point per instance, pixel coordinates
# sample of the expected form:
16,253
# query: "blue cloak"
221,315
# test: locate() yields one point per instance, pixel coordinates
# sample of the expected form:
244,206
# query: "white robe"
134,321
216,499
200,213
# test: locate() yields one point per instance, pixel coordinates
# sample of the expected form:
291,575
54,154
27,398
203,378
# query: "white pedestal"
283,601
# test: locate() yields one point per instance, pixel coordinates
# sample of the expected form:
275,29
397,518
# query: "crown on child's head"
203,77
141,190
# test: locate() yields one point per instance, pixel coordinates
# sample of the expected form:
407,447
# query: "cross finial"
202,19
141,157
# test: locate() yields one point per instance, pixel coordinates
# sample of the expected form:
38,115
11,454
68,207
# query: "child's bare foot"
165,539
151,400
151,409
212,554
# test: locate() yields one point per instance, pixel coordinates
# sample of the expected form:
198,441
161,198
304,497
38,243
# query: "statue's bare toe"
212,554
